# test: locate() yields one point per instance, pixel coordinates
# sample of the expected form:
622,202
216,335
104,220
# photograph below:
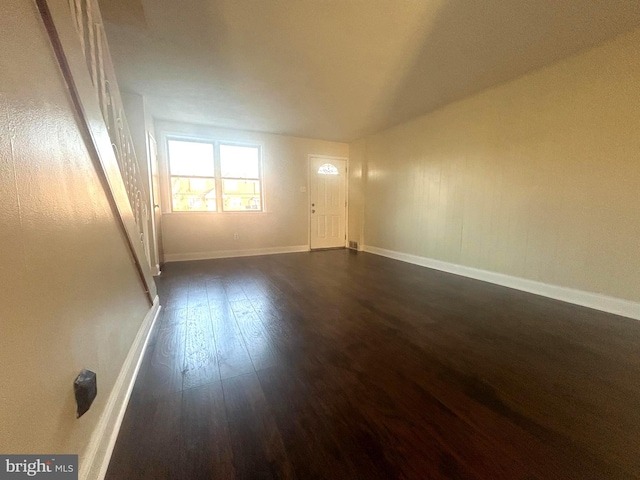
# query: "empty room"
341,239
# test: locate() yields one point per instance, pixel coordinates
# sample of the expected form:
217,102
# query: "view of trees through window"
207,179
240,167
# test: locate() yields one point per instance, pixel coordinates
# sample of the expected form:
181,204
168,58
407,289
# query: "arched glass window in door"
328,169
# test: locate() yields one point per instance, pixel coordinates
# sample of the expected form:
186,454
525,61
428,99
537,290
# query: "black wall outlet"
86,389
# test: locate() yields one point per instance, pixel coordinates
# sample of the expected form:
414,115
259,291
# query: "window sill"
248,212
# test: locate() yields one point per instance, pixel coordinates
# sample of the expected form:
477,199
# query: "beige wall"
70,297
357,176
538,178
284,223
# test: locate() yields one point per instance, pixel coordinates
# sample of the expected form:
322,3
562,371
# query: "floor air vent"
353,245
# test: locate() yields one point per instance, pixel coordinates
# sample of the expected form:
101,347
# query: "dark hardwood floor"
352,366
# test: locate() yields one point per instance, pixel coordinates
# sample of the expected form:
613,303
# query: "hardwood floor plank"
260,344
233,288
314,431
215,290
173,316
163,374
148,446
207,452
232,355
258,451
341,365
200,357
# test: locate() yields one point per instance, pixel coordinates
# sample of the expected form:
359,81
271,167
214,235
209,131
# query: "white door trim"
152,149
346,195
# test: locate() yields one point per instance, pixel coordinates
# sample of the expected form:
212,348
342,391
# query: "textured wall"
357,176
70,297
538,178
285,220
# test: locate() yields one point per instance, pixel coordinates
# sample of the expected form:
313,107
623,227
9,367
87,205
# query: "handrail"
77,34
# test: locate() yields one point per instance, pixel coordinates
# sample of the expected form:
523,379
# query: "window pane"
240,162
191,158
241,195
193,194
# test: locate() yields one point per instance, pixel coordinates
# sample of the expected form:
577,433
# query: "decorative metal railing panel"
90,28
78,40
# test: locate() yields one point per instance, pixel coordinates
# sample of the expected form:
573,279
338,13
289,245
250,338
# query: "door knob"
313,204
313,211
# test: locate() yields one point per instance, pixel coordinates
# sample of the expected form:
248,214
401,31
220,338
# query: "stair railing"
78,37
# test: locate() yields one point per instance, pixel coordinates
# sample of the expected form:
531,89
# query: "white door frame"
154,196
346,195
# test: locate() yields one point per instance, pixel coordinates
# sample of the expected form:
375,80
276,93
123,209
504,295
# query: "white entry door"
327,202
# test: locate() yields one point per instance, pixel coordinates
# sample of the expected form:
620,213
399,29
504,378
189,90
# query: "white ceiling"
339,69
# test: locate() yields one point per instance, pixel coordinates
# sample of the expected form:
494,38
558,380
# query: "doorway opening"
327,202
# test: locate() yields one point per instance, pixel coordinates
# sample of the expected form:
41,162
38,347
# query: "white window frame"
217,171
221,178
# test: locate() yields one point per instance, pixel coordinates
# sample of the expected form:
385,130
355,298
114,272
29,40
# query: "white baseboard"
604,303
182,257
96,460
